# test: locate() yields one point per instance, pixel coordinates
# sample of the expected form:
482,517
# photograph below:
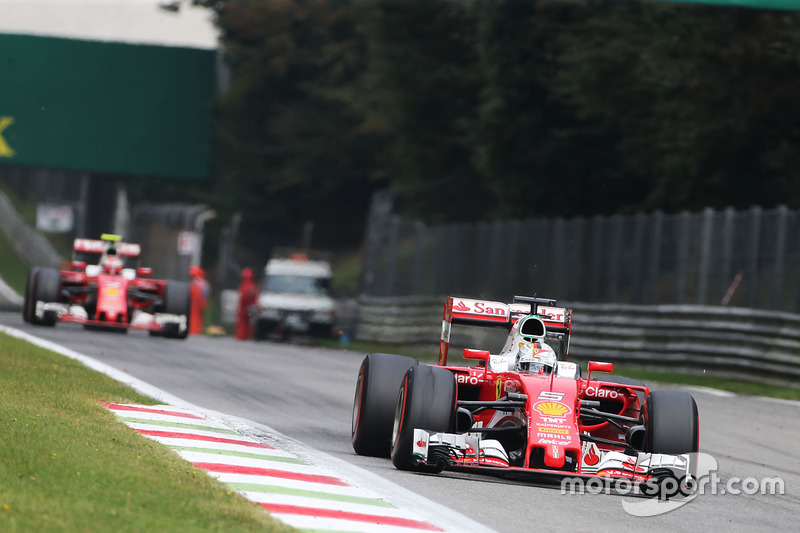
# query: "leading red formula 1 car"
105,289
525,411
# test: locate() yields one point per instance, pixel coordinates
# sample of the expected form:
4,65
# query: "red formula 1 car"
525,411
105,289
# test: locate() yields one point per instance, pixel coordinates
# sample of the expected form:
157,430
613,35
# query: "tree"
699,96
423,68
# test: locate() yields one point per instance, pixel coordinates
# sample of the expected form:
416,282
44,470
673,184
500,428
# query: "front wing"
158,322
471,452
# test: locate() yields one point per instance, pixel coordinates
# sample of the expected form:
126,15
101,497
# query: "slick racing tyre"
29,301
46,288
427,400
671,422
177,302
375,400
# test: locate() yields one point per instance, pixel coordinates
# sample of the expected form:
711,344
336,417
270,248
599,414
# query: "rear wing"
489,313
93,246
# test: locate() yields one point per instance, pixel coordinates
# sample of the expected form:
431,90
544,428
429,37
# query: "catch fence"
748,258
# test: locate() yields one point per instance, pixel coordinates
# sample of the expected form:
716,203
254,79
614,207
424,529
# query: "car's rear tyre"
427,400
177,301
47,288
671,423
375,401
29,300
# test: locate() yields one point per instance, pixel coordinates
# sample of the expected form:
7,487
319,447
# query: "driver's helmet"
112,264
537,357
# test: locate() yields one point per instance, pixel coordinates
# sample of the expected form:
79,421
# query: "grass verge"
648,375
67,463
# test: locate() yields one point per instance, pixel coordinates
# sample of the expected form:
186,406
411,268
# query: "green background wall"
104,107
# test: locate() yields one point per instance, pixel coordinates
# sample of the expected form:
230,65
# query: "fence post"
752,269
780,257
511,277
727,250
655,257
462,239
636,286
496,248
614,262
705,255
575,288
558,266
598,226
682,255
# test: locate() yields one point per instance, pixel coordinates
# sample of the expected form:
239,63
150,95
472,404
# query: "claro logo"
596,392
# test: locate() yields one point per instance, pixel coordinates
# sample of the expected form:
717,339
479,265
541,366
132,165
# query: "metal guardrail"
400,320
27,242
747,344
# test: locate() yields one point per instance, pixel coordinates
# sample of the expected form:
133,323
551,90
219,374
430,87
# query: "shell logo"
552,409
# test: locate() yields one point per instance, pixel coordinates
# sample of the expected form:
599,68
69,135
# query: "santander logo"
461,306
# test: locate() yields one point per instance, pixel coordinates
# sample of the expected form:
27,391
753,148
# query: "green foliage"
424,70
478,110
293,142
699,97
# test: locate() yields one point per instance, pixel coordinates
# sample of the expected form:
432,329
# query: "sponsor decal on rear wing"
477,313
472,312
480,312
93,246
556,319
498,314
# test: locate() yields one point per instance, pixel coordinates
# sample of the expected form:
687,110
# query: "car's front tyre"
29,301
46,288
671,422
375,400
427,400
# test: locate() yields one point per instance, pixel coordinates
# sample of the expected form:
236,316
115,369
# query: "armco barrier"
749,344
27,242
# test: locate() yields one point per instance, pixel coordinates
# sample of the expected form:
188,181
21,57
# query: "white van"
295,298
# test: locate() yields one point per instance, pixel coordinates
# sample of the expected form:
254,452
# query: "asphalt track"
307,393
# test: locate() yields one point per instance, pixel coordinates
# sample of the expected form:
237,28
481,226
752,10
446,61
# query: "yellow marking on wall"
5,149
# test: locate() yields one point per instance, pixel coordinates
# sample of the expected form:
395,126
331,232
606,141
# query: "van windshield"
296,285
